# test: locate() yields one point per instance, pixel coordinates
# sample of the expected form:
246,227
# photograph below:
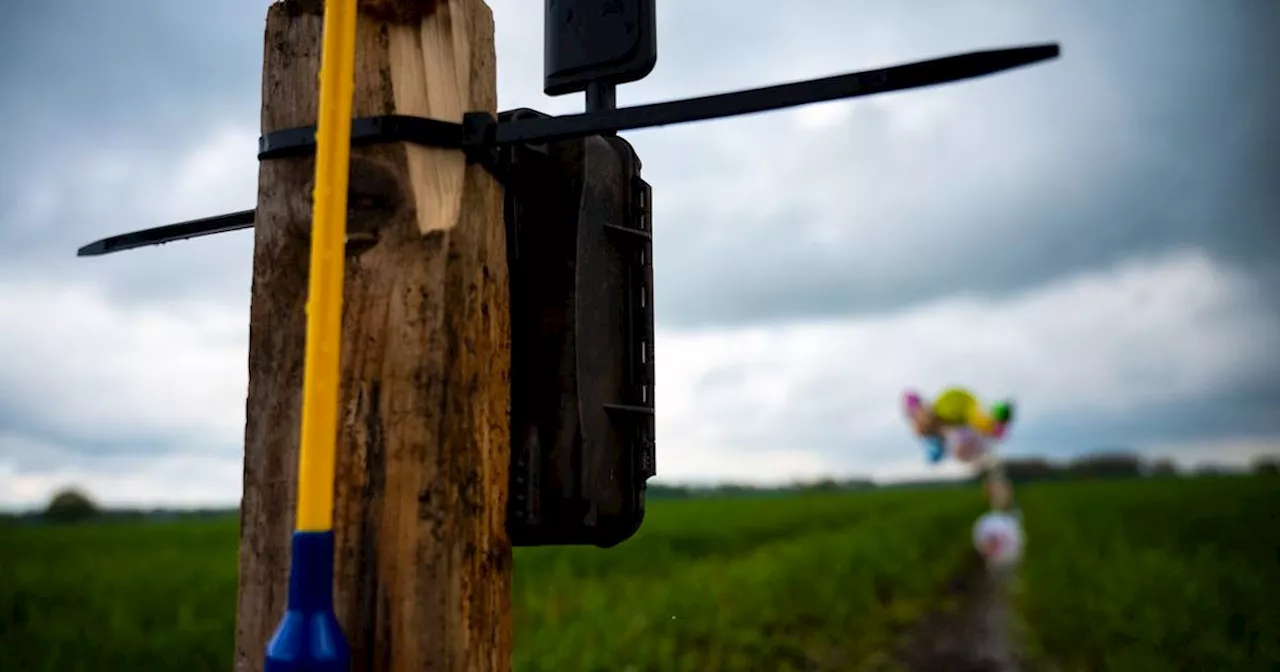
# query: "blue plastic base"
309,638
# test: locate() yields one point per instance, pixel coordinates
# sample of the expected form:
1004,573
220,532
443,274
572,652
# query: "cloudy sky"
1096,237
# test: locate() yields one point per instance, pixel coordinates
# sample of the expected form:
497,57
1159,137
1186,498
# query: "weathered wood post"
423,563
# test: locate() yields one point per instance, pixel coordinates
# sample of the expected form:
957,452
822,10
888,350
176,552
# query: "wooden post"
423,563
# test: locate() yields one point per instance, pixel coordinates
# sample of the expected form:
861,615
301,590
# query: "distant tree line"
658,491
1119,464
1103,464
72,505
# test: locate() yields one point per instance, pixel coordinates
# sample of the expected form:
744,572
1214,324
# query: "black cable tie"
840,87
205,226
301,141
483,137
480,132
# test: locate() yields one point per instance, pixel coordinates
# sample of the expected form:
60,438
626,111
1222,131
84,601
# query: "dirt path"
973,636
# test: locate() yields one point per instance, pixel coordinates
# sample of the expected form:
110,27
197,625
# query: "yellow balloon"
954,406
980,420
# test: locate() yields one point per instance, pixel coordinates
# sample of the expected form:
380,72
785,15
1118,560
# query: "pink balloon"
912,400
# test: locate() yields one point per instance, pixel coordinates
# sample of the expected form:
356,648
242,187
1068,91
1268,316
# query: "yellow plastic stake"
316,455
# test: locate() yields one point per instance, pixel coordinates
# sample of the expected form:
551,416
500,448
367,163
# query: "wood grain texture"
423,562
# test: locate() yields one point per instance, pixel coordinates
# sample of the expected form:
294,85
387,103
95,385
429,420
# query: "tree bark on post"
423,563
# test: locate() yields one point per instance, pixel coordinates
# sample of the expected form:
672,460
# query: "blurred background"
1095,238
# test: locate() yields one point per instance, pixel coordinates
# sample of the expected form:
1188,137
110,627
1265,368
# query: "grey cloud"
816,420
1155,130
106,457
71,439
1247,410
146,80
810,425
126,72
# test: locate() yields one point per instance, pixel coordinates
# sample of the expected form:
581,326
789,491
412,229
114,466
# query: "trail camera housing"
582,372
588,42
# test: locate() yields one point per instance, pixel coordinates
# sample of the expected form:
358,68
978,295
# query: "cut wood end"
438,177
430,68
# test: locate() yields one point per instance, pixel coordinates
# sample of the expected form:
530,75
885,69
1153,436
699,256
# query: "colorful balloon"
956,424
997,536
964,444
954,406
935,450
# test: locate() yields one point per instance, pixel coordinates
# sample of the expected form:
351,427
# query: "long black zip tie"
479,134
480,131
194,228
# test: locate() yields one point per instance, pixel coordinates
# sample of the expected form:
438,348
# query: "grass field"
1154,575
1121,576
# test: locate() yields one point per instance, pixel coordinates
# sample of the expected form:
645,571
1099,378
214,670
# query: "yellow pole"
316,454
309,637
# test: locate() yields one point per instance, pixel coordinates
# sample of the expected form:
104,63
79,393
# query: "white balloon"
998,537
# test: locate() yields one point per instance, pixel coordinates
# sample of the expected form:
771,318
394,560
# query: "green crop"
1154,575
1131,576
788,583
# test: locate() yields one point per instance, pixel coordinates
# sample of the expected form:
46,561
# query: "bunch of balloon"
956,425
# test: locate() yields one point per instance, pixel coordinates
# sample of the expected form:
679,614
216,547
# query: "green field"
1147,575
1155,575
